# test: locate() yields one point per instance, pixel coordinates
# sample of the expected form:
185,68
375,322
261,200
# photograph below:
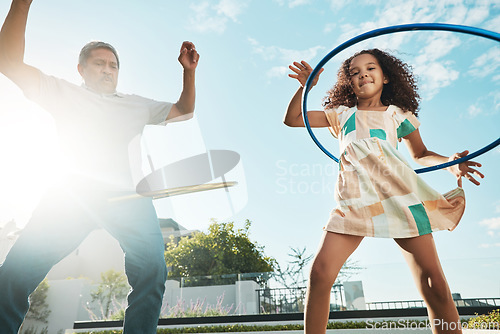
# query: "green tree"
39,309
113,288
223,250
295,275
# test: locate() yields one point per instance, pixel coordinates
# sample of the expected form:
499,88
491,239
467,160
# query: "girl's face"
367,78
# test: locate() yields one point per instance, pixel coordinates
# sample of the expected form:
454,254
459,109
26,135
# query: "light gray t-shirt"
99,134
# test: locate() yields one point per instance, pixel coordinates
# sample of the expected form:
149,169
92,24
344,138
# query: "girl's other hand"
303,70
464,169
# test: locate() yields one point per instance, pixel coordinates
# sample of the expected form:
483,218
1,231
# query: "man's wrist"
189,72
26,3
21,5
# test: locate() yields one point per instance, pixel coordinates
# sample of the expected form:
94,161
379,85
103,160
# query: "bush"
248,328
197,309
485,321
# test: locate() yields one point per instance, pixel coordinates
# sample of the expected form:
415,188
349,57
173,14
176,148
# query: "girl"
370,109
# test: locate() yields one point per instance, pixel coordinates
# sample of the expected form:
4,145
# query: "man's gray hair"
87,49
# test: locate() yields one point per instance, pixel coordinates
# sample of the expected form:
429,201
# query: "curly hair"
401,90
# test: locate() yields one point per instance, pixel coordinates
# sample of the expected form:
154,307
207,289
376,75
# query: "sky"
285,183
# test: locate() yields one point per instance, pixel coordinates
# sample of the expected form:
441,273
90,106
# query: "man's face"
100,72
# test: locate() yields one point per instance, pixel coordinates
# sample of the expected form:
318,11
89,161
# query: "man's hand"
188,56
184,107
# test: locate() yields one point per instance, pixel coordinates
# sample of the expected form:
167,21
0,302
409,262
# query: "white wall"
8,236
67,300
241,297
98,253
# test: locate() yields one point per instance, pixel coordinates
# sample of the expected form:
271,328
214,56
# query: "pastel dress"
378,193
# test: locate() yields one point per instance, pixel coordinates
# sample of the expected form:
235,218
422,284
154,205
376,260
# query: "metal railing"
290,300
404,304
390,305
281,300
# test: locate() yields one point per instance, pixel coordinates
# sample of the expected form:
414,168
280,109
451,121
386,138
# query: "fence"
290,300
459,302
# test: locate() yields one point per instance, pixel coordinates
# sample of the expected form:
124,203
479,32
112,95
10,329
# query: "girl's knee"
436,288
321,274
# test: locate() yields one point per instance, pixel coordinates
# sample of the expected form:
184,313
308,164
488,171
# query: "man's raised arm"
12,37
184,108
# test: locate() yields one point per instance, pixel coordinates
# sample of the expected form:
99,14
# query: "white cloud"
493,23
474,110
295,3
487,105
395,12
456,14
230,8
493,227
476,15
435,75
437,46
209,17
329,27
203,21
431,64
491,223
336,5
292,3
496,99
486,64
278,71
489,245
284,56
287,55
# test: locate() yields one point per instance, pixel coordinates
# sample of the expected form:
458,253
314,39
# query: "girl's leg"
421,255
333,252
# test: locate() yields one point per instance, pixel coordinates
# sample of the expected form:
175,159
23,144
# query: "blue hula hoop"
384,31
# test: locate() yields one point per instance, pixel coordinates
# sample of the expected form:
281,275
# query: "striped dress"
377,192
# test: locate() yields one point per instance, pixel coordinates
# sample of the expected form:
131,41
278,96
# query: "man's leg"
135,225
53,232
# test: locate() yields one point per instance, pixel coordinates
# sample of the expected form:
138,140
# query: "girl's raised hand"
303,70
464,169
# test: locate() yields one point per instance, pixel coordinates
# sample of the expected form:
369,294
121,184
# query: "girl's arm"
293,115
423,156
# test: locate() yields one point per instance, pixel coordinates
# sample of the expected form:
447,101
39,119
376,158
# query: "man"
97,127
